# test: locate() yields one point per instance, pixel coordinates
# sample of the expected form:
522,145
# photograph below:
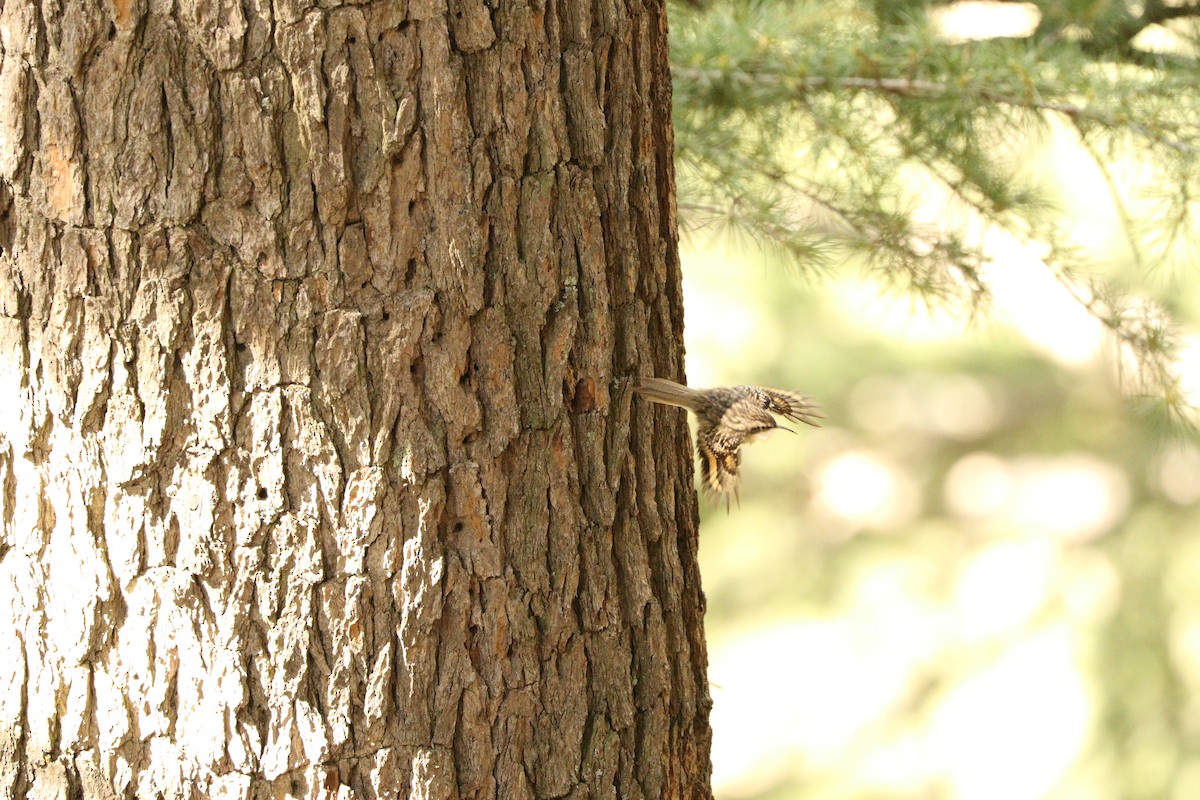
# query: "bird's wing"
793,405
718,463
718,445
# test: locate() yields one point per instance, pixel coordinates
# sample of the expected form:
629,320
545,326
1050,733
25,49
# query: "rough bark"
320,473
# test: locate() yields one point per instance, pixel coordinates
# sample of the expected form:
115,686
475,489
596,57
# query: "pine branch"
1155,12
1127,223
1160,12
909,87
803,126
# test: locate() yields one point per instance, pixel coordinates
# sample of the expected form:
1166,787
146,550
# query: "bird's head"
758,422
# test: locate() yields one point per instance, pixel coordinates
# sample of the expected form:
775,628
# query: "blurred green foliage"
944,594
981,579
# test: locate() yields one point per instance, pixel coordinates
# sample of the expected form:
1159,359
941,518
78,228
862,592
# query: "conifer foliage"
821,130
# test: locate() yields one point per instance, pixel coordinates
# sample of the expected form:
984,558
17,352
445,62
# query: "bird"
728,417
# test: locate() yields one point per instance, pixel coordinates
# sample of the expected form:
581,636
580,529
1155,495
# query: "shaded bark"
320,472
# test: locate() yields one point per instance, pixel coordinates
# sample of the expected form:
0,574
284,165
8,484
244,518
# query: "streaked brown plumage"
726,418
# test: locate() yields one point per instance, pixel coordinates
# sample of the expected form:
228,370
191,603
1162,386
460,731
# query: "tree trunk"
321,474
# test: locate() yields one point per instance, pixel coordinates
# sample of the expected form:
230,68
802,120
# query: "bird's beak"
785,428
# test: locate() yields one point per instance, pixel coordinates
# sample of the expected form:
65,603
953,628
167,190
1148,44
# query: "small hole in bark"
403,26
411,205
240,347
411,270
352,39
458,15
262,494
412,368
458,526
112,31
386,316
332,781
583,399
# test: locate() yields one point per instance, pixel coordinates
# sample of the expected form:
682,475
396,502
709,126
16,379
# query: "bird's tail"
667,392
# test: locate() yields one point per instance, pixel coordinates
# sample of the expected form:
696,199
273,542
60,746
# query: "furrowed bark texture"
320,473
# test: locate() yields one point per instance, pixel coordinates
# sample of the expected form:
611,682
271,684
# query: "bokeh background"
980,580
